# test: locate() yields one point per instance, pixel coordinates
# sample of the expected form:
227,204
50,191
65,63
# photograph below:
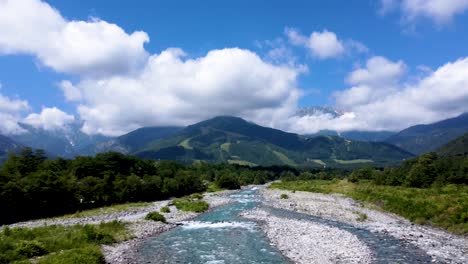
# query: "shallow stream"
221,236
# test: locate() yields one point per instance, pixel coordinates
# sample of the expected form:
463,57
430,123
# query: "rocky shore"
308,242
298,239
124,252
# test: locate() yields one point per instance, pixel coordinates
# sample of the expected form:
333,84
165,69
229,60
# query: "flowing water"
221,236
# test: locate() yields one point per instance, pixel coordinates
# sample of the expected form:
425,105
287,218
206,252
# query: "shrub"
165,209
97,236
31,248
88,255
185,204
284,196
155,216
197,196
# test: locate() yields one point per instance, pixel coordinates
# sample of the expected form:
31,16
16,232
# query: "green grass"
190,205
213,187
165,209
242,162
59,244
445,207
284,158
355,161
155,216
226,146
320,162
284,196
186,144
106,210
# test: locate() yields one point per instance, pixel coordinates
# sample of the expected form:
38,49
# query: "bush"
229,182
284,196
197,196
185,204
97,236
86,255
31,248
155,216
165,209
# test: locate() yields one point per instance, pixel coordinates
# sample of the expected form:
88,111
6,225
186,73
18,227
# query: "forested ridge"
32,186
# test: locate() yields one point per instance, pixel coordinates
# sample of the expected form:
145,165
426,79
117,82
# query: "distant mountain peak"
318,110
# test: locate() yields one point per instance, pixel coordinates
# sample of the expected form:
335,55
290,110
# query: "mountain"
318,110
234,140
456,147
7,145
425,138
135,140
67,142
369,136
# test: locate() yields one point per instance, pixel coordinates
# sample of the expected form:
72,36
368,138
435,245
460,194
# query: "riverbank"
140,229
125,251
293,240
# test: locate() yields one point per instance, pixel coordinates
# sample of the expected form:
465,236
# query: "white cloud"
172,90
378,71
325,44
71,93
49,119
92,48
10,113
441,94
441,11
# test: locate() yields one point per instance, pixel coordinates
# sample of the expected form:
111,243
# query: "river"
221,236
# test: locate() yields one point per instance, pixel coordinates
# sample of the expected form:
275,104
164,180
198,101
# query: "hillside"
370,136
67,142
234,140
424,138
135,140
7,145
457,147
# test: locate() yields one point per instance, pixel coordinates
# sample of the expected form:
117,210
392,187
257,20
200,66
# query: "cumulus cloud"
175,90
91,48
49,119
441,11
325,44
10,113
441,94
70,92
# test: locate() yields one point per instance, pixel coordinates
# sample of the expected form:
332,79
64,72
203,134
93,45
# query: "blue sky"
416,39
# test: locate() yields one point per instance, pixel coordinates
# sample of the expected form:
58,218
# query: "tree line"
32,186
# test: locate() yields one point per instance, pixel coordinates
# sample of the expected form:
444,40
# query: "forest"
32,186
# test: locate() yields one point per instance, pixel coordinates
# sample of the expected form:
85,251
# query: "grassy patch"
226,147
165,209
320,162
155,216
445,207
107,210
213,187
61,243
242,162
355,161
284,196
85,255
186,144
284,158
190,205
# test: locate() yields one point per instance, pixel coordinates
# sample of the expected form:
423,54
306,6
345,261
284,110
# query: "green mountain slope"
425,138
457,147
135,140
7,145
234,140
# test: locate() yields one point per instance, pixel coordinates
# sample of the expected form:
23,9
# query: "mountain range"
234,140
425,138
